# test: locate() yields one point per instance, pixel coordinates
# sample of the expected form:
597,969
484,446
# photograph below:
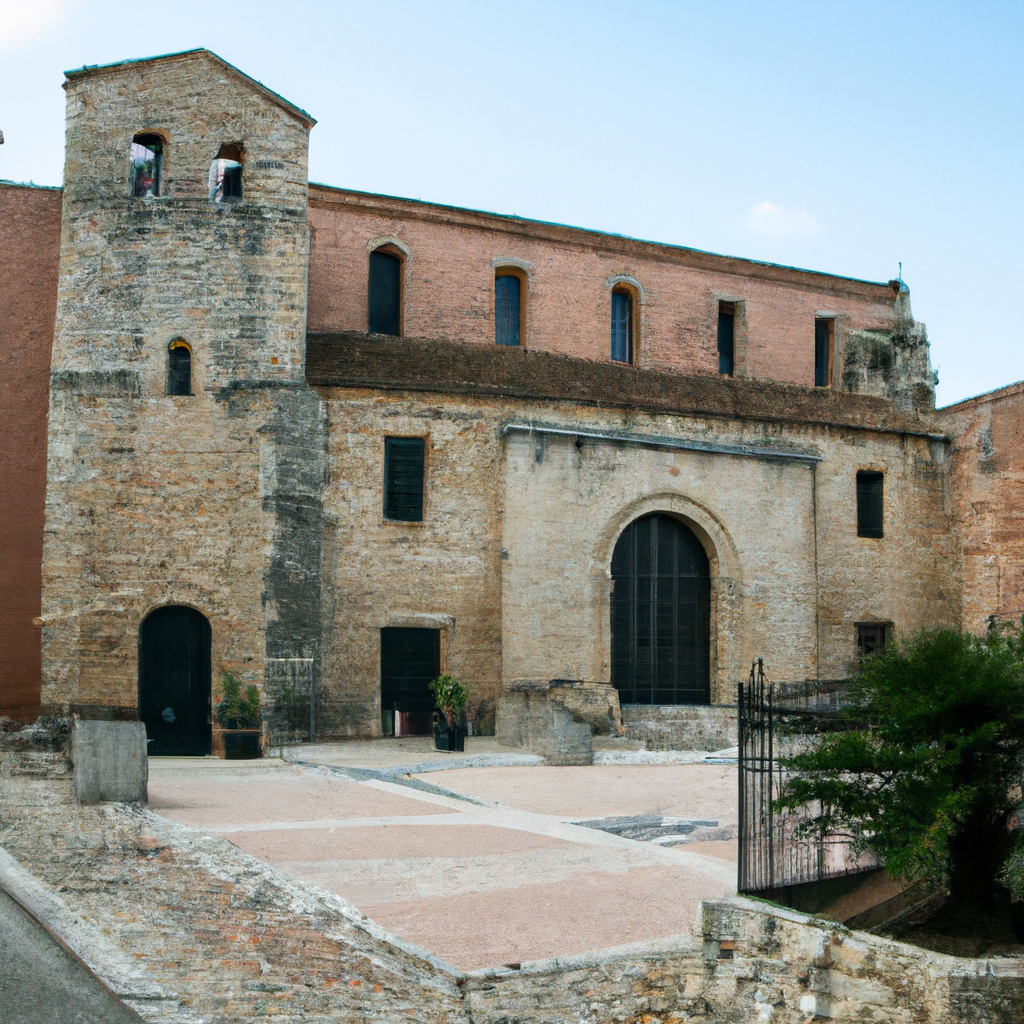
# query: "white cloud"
769,219
22,21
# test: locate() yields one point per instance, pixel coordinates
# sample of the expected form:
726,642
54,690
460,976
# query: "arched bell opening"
174,681
661,613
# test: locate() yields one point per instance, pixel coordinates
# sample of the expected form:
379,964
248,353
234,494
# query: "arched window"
147,155
179,368
385,292
509,289
622,325
661,614
226,173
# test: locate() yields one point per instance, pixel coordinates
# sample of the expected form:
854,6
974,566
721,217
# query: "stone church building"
333,443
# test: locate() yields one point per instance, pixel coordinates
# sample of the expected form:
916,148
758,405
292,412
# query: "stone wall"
29,258
526,497
210,500
448,292
988,489
713,727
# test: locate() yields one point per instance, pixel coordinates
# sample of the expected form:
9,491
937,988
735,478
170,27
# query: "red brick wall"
988,487
449,287
29,261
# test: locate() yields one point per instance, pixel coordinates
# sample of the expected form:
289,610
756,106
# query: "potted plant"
450,698
240,717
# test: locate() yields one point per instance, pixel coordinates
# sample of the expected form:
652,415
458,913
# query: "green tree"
929,774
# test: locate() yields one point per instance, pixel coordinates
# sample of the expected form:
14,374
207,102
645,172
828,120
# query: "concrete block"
110,762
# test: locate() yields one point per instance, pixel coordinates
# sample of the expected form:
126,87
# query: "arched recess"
174,681
661,613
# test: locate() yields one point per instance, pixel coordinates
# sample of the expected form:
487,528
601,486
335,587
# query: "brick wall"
29,259
448,290
988,490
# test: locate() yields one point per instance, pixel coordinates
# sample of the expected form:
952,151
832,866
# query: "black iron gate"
775,722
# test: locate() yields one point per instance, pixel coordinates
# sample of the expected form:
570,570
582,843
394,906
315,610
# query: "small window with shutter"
508,290
870,503
622,326
871,637
404,462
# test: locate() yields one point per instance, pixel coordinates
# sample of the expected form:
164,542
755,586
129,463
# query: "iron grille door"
661,614
174,681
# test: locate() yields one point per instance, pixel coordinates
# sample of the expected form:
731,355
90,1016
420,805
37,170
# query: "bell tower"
186,452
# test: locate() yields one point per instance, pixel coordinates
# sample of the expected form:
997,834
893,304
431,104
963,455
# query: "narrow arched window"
226,173
385,298
179,368
622,326
508,292
147,156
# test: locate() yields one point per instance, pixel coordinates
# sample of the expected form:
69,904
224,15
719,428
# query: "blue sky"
840,137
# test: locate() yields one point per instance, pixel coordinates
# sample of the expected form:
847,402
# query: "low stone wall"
681,726
532,720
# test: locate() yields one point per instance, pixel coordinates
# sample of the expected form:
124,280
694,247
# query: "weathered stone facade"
258,499
210,500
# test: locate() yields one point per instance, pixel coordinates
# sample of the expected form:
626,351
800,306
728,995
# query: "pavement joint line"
333,823
397,776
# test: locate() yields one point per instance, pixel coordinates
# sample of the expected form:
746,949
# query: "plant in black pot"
450,697
241,718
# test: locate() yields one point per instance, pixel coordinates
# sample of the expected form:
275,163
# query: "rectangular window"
823,353
622,327
871,637
870,503
507,296
385,293
404,459
726,338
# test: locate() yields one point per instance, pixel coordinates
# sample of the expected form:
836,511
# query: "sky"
842,137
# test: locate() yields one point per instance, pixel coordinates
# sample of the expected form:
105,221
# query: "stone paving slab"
496,840
550,918
604,791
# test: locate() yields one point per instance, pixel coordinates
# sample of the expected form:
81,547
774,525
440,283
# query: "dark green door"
174,681
661,614
409,660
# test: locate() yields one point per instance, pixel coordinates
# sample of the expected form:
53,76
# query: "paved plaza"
485,858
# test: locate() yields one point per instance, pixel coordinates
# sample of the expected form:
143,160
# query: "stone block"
110,762
531,719
681,726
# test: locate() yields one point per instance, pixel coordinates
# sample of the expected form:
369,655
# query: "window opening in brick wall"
871,637
622,326
726,338
179,368
147,155
508,290
404,462
823,333
226,173
385,298
870,503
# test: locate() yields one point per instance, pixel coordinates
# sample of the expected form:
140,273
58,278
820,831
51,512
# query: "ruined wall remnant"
987,489
209,499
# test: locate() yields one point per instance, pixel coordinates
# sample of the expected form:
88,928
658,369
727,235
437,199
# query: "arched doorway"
174,681
661,614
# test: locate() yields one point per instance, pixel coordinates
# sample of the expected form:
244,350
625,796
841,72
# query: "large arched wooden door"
174,681
661,614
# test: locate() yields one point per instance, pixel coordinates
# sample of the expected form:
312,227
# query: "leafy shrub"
238,710
450,697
